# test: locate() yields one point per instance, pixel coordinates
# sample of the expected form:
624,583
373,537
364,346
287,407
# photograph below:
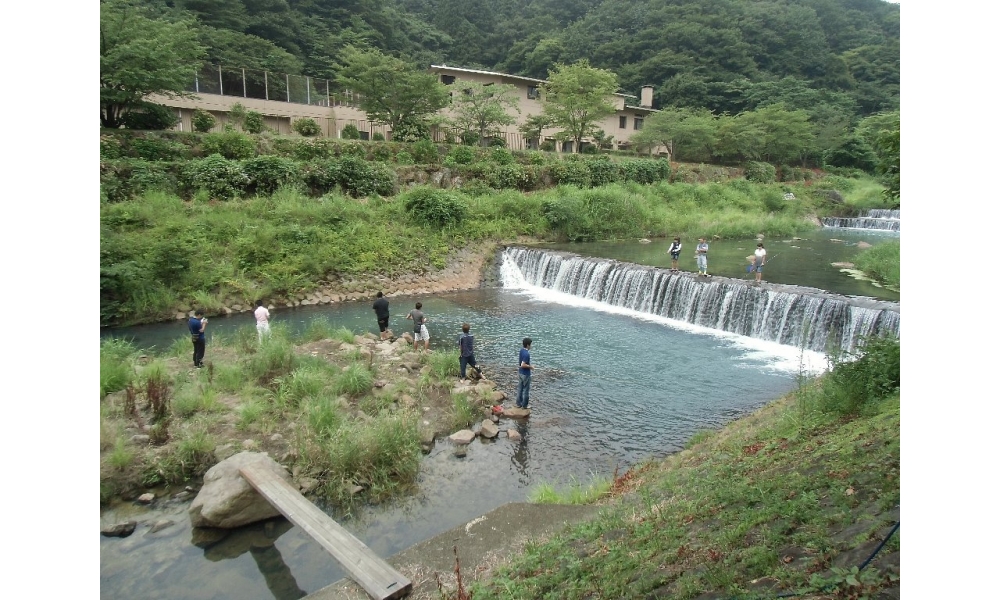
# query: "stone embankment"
463,271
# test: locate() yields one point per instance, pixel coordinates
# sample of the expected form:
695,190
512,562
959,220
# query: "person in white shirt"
263,326
759,258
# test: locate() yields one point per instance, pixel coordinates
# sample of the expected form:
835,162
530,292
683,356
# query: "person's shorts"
383,324
422,335
758,266
675,255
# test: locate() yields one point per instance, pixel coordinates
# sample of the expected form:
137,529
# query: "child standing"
701,253
466,353
675,253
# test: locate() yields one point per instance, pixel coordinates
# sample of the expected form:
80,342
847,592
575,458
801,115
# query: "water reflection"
258,539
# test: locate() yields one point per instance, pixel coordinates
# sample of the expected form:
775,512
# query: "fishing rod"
750,267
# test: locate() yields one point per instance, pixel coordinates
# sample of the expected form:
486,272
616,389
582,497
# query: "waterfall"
876,218
801,317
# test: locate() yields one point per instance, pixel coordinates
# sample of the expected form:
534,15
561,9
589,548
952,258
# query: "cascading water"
877,218
800,317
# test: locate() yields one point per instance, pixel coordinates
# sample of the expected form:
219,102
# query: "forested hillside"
725,55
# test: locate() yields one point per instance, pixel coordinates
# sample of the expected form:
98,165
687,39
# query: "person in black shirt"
381,308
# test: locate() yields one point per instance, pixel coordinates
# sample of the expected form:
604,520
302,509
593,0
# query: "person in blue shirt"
196,325
524,373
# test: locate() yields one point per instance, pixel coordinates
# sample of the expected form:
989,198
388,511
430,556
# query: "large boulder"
226,500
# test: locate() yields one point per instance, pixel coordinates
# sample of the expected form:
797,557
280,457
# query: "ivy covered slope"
261,217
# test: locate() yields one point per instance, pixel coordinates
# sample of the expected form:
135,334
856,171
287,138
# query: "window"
622,122
532,92
364,135
567,146
447,79
638,123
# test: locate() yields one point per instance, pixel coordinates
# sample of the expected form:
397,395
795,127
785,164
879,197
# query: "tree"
141,56
392,92
576,97
482,108
533,125
688,134
887,150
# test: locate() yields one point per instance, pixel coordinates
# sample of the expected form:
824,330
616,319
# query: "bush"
437,207
382,153
645,171
268,173
202,121
313,149
570,173
230,144
547,146
509,177
378,137
321,176
760,172
153,117
496,142
253,122
502,156
220,177
306,127
460,155
469,138
404,158
567,215
853,153
361,178
602,171
350,132
156,149
853,384
425,152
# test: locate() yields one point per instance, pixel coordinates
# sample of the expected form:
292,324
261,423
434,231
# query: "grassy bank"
330,406
787,501
160,253
881,263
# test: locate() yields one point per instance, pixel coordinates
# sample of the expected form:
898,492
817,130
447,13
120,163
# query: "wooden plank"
380,580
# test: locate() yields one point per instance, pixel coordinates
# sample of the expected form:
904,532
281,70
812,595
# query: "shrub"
547,146
760,172
361,178
425,152
404,158
437,207
496,142
202,121
350,132
306,127
312,149
230,144
155,149
645,171
853,384
382,153
570,172
237,115
268,173
378,137
567,216
321,176
509,177
469,138
602,171
253,122
502,156
220,177
153,117
461,155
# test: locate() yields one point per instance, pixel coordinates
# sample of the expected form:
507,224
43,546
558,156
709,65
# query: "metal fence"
265,85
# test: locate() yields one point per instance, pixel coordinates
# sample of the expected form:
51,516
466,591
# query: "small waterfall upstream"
877,218
802,317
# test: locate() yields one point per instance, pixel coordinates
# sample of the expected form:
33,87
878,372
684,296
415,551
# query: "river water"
611,388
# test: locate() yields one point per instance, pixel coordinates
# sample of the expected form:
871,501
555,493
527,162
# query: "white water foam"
756,353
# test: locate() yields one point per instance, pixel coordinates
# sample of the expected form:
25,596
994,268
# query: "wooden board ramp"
372,573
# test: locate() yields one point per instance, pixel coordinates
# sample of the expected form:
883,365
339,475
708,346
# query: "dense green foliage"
576,97
306,127
882,263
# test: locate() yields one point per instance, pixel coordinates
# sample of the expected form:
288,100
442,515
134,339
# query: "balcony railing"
267,85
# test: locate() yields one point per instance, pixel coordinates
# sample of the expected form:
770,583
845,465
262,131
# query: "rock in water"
119,529
488,429
462,437
226,500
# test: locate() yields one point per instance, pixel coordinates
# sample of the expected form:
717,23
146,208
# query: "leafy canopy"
576,97
142,55
483,108
393,92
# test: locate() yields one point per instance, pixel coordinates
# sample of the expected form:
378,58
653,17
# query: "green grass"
121,456
881,263
356,380
720,515
463,411
116,365
342,334
575,493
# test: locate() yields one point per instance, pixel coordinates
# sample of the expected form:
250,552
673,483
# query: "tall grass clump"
881,262
856,384
575,493
274,359
320,328
323,416
356,380
463,411
379,455
116,365
344,335
304,382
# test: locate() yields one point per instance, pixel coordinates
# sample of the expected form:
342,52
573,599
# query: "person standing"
524,373
701,254
675,253
263,317
381,308
196,326
419,327
759,258
466,353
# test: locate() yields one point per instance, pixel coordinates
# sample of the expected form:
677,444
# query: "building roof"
507,75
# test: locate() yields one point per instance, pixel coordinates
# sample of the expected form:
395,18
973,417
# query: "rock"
461,451
864,245
488,429
277,437
224,451
464,436
517,413
146,498
308,484
355,490
226,500
183,495
513,435
139,440
645,241
249,444
842,265
497,397
160,525
119,529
